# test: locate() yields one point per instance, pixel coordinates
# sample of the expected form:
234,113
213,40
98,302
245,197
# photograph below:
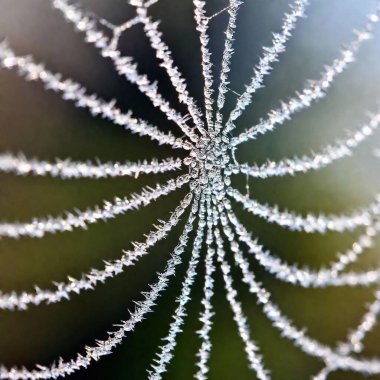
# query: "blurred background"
41,124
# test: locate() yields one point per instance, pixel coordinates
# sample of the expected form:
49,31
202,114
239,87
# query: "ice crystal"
210,141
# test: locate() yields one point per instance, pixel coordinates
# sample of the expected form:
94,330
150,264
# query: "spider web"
209,138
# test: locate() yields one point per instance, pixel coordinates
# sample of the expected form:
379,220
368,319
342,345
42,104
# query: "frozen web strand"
308,278
207,313
355,338
269,57
365,278
286,327
303,276
68,169
70,90
202,28
89,280
164,55
63,368
315,89
39,227
310,223
233,6
165,354
354,341
315,161
251,349
124,65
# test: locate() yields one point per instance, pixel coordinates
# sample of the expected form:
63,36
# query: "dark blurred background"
41,124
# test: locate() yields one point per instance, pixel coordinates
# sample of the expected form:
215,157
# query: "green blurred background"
40,124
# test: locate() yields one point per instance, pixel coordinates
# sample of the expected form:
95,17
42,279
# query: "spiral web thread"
208,140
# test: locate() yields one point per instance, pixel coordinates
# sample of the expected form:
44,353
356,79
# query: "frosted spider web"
210,141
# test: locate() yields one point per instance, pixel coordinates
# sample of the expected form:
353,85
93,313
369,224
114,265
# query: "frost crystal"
209,144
